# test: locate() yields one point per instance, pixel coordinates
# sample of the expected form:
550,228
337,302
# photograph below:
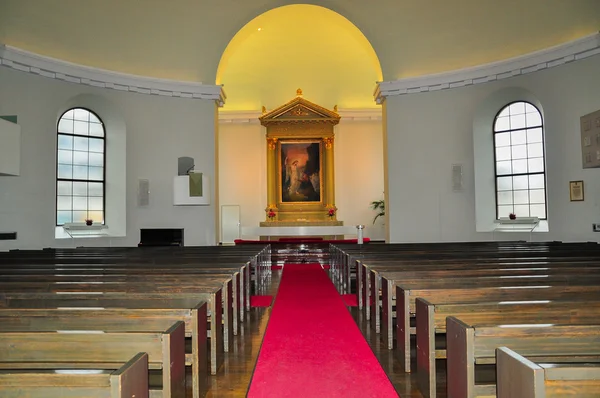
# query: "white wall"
158,131
358,171
428,132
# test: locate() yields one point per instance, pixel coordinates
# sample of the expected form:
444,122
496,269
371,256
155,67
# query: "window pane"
80,188
530,108
533,119
80,158
519,166
517,108
534,135
522,210
519,152
80,203
96,159
502,139
64,188
535,150
503,153
65,126
80,172
96,173
518,137
538,211
504,211
80,143
503,168
65,142
537,196
65,171
64,203
505,198
94,118
536,181
63,217
502,124
504,183
96,130
504,112
520,182
81,114
96,145
521,197
65,157
536,165
81,128
79,216
96,215
96,188
68,115
516,122
96,203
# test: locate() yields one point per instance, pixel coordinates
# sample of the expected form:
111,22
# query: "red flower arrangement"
512,216
331,212
271,214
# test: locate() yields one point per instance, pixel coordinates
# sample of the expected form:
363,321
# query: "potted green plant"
379,207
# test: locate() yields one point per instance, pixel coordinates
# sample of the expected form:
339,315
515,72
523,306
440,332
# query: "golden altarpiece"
300,165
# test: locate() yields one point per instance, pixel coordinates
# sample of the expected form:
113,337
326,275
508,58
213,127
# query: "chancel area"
388,184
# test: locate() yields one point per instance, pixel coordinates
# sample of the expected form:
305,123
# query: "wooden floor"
235,378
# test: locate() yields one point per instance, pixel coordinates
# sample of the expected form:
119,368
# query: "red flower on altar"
271,214
331,212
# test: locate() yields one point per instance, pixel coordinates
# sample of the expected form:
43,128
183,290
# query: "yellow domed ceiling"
299,46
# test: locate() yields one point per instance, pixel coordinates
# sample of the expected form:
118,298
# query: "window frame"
57,179
543,173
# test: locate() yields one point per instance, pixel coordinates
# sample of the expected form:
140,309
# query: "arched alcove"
299,46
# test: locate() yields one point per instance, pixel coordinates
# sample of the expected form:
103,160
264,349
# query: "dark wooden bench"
130,380
105,350
431,321
517,376
469,346
131,320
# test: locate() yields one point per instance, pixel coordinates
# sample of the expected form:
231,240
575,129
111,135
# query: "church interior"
267,186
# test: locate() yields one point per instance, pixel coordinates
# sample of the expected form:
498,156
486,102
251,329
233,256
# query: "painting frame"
576,191
300,171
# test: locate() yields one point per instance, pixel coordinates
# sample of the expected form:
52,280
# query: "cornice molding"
539,60
53,68
347,115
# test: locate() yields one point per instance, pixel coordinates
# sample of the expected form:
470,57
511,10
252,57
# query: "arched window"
80,172
519,161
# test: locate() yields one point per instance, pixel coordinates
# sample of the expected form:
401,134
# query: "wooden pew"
78,349
32,302
406,303
431,321
517,376
469,346
130,380
123,320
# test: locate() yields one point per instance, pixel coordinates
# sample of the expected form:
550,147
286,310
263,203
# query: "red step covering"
297,240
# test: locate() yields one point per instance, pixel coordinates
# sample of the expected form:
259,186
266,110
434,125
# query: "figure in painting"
300,172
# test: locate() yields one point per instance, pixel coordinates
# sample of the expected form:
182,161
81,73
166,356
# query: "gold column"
329,175
271,173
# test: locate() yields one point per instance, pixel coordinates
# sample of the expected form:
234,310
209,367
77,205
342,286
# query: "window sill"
517,227
85,232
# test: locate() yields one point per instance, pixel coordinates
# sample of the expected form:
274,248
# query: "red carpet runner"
312,347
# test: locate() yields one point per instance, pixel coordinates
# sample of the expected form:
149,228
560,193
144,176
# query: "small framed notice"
576,191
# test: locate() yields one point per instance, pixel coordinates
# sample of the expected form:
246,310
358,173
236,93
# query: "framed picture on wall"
300,171
576,191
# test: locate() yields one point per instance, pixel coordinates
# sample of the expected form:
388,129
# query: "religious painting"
300,171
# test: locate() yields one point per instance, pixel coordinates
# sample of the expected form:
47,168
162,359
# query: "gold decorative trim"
328,142
272,143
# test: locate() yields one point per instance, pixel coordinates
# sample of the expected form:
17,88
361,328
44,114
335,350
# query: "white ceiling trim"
347,115
539,60
53,68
